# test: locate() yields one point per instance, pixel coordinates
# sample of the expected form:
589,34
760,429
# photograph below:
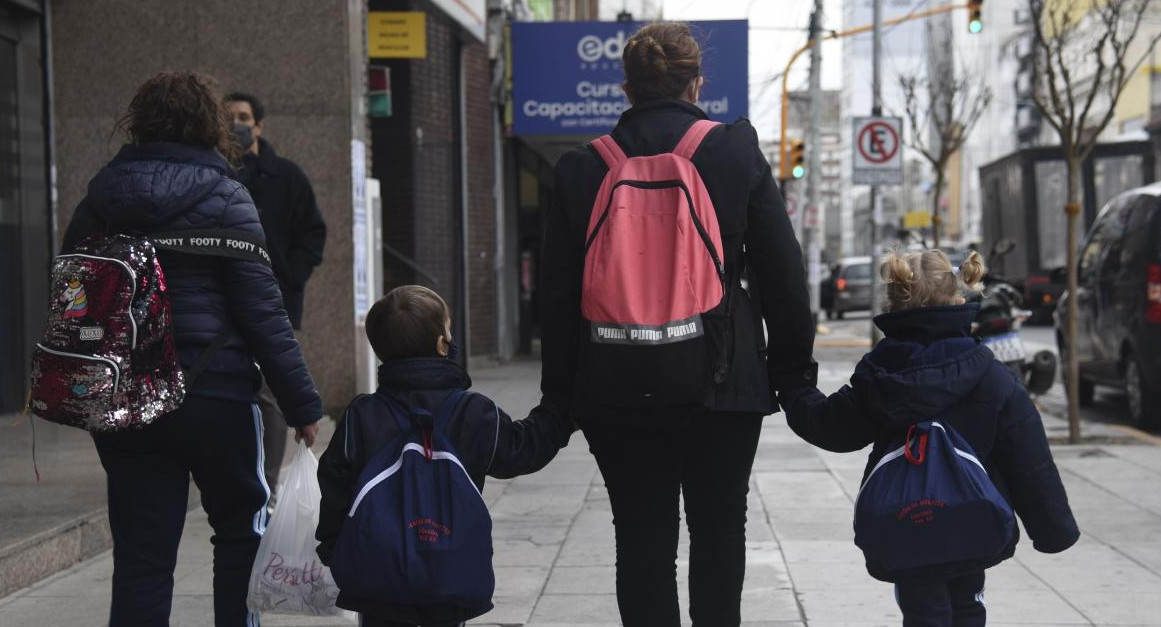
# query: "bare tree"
1081,62
941,111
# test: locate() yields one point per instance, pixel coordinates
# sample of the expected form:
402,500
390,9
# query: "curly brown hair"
183,107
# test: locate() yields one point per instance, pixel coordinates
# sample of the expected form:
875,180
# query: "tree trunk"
935,219
1072,371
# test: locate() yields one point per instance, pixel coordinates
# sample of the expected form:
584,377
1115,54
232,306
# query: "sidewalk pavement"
554,551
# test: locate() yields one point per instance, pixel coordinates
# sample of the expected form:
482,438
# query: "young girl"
929,366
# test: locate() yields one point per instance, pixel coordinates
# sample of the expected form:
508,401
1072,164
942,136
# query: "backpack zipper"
132,282
705,238
113,366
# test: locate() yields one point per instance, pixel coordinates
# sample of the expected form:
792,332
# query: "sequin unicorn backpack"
108,361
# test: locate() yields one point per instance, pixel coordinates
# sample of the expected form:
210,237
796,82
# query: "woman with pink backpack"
649,337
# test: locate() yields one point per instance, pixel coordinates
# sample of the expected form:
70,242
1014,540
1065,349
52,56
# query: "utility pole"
876,110
811,212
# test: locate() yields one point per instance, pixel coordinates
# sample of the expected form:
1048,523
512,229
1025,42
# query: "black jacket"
756,235
295,230
927,367
162,186
486,440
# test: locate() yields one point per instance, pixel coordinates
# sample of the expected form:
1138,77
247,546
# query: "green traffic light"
975,26
798,172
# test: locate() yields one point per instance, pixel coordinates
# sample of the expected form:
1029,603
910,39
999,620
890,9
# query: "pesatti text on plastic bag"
288,577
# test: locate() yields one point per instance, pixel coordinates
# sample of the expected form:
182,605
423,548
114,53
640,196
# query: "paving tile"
1031,607
520,581
1119,608
832,576
582,580
523,553
824,551
508,611
792,490
88,580
837,605
768,603
573,609
1089,566
588,552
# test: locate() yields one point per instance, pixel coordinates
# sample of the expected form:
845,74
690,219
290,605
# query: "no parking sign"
878,151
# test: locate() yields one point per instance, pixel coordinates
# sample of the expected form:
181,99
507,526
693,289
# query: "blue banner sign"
566,76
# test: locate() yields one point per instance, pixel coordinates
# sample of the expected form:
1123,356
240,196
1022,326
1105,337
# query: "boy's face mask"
453,349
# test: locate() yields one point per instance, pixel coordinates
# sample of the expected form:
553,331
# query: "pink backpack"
654,283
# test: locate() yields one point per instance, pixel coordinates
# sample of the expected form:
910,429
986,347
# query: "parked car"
1118,304
852,287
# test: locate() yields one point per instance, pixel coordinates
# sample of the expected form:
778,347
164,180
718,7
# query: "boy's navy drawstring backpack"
930,503
418,531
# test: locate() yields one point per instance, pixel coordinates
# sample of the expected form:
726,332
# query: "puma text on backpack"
108,360
929,506
418,531
654,288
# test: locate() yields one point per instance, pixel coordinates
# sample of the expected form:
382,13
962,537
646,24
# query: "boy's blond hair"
927,279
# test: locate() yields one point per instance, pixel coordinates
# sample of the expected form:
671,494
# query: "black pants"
956,602
647,464
219,443
371,621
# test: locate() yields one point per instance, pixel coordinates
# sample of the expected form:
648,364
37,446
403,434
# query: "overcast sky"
771,47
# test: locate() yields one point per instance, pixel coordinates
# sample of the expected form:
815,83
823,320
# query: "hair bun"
972,270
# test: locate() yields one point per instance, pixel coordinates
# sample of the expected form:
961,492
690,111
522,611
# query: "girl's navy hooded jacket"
487,442
163,186
928,367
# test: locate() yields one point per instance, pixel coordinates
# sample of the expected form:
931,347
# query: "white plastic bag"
288,577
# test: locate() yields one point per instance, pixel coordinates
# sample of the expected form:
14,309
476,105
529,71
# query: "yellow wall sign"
917,220
397,35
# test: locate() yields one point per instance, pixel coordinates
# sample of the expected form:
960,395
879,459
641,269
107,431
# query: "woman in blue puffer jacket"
173,176
928,367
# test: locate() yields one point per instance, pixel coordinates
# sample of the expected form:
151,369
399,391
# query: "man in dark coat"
295,236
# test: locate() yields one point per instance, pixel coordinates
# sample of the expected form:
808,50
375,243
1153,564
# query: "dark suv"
1118,303
851,278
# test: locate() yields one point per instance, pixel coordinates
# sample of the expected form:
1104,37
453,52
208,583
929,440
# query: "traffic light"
975,16
797,158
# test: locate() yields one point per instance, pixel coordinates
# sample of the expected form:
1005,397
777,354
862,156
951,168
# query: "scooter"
998,324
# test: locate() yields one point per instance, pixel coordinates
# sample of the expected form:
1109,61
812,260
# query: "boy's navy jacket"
929,367
163,186
486,440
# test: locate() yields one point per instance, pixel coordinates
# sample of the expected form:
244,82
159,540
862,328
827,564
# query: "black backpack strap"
231,243
207,355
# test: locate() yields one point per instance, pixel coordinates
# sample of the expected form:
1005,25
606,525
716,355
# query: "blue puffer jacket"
929,367
162,186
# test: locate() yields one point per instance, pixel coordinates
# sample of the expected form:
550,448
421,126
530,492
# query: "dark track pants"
956,602
219,443
647,465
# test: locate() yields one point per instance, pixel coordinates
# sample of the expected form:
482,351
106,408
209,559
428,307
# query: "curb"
842,343
47,553
1137,434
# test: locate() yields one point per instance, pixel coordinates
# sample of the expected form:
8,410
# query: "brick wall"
417,157
481,207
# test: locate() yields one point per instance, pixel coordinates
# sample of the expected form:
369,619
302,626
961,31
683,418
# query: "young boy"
410,331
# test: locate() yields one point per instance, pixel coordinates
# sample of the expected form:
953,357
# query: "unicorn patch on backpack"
76,299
